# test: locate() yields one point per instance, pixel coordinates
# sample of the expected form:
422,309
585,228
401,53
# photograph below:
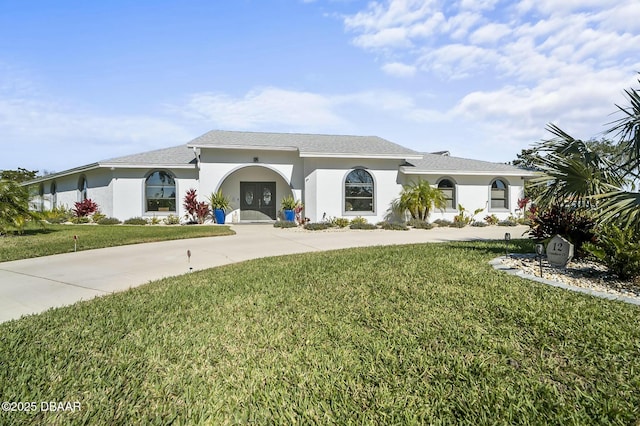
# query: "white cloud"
269,106
489,34
398,69
457,61
386,38
519,65
57,136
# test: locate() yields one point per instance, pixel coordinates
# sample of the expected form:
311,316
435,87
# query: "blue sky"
85,81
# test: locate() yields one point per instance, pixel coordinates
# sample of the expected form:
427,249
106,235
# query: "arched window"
499,194
82,188
54,196
448,189
160,192
358,191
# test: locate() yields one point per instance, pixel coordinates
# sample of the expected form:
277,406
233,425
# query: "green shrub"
464,216
340,222
359,225
80,219
479,224
136,221
576,225
97,216
619,250
155,220
389,226
419,224
507,222
359,220
442,222
57,215
458,224
109,221
172,220
491,219
316,226
284,224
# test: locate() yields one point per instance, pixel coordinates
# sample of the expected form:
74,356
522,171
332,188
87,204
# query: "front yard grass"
418,334
56,239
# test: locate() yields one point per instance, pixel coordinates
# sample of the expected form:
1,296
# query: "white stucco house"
334,176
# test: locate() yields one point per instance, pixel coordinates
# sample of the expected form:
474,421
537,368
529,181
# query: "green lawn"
415,334
56,239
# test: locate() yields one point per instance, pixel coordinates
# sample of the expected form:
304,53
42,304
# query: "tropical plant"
85,208
197,211
463,217
219,201
171,220
288,203
359,220
14,206
605,181
491,219
577,225
419,198
58,214
619,250
340,222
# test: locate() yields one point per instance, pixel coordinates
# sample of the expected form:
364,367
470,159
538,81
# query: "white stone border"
500,266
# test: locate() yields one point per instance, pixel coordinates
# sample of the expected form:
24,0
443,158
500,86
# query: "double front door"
257,200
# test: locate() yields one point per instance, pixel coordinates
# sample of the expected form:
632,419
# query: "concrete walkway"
34,285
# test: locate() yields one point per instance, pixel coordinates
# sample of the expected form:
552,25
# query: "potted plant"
289,204
219,203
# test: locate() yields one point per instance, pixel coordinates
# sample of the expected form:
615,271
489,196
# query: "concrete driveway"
35,285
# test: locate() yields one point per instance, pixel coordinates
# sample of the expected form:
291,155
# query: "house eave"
64,173
520,173
147,166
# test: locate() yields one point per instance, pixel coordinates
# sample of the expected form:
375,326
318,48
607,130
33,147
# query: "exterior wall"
119,193
99,189
324,181
473,192
129,185
225,168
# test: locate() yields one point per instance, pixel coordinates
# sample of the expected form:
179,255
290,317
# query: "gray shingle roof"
444,163
176,155
308,145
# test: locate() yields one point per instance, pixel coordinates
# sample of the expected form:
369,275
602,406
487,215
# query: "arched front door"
258,200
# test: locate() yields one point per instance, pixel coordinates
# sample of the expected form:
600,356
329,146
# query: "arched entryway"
255,192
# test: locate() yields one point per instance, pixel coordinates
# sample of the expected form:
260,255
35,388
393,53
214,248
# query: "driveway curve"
34,285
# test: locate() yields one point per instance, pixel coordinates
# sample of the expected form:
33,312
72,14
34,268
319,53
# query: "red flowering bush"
197,211
85,208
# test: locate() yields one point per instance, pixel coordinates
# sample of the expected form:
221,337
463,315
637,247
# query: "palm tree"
572,173
419,198
576,176
14,205
623,205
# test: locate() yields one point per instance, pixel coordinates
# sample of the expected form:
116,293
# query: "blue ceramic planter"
289,215
220,216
